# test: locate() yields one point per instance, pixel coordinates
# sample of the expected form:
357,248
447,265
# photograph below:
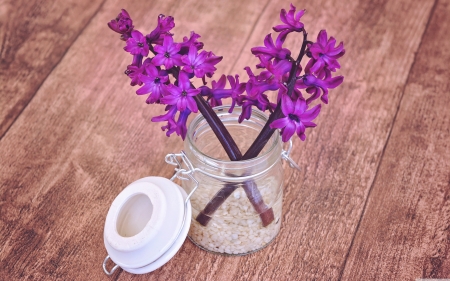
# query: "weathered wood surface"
34,36
85,136
405,230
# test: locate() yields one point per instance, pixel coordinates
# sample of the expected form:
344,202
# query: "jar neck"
203,148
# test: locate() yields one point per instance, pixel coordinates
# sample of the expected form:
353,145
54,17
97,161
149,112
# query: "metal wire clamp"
289,160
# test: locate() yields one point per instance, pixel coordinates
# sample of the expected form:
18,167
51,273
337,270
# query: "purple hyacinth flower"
271,50
170,114
137,60
171,127
217,92
137,45
313,85
165,24
210,62
236,90
154,83
122,24
182,95
181,127
167,53
246,102
257,85
297,118
187,42
325,54
195,62
291,22
135,72
279,69
169,117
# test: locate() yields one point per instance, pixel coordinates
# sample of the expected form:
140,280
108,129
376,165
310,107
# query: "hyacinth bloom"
217,92
196,63
134,72
192,40
210,62
167,53
261,101
154,83
279,69
136,44
271,50
325,54
169,117
170,114
313,85
181,128
257,85
297,118
165,24
182,95
171,127
291,22
236,90
122,24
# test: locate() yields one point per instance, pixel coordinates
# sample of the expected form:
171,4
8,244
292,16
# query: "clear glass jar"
237,227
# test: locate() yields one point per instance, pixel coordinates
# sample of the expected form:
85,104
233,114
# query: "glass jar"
245,213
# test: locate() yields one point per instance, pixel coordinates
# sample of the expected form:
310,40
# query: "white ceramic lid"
147,224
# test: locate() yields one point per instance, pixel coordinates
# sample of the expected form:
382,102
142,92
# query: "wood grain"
34,36
86,135
405,231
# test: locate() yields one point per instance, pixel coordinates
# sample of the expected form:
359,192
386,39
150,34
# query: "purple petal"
309,124
288,131
144,90
311,114
279,123
191,104
159,60
183,81
287,106
300,107
334,82
322,38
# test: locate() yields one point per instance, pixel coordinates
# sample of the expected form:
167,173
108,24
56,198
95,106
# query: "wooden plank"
405,231
85,144
34,36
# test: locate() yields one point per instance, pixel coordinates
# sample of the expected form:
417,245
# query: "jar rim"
224,109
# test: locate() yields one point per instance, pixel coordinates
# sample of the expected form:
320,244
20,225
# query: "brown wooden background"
372,201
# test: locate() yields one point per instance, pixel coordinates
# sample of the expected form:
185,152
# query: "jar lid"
146,225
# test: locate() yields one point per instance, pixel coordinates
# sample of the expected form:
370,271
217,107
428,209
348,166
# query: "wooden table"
372,201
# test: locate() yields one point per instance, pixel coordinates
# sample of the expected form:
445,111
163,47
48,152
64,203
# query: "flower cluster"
277,64
157,59
164,68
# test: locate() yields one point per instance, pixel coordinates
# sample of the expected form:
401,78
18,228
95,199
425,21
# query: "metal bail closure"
148,222
289,160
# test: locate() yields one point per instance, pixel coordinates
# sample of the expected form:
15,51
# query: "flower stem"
234,154
219,129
